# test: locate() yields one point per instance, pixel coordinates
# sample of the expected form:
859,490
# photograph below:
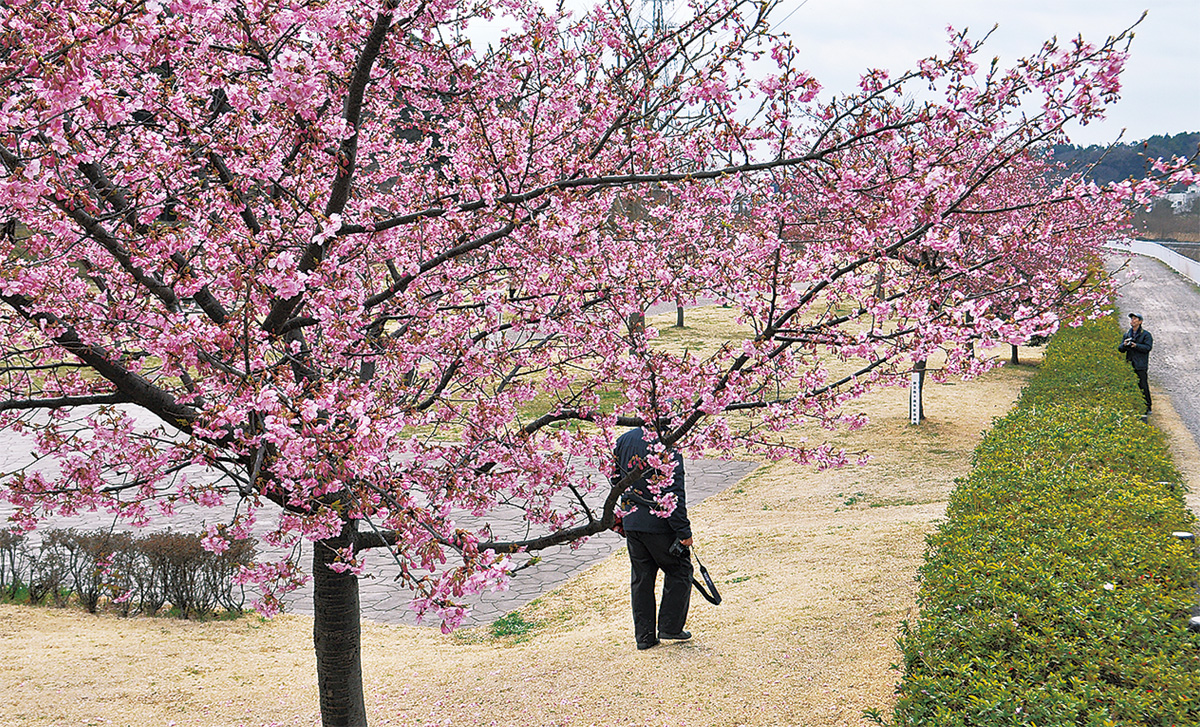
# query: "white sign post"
914,399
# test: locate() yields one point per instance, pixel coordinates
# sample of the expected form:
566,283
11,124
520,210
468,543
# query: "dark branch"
136,388
613,181
63,402
400,285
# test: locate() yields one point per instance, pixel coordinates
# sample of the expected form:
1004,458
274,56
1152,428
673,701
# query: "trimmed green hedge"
1055,592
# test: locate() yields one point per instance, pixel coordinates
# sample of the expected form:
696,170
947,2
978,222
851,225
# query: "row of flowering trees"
334,264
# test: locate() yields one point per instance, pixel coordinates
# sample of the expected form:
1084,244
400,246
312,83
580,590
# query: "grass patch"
513,627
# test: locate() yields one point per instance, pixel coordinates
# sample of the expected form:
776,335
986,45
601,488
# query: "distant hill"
1126,160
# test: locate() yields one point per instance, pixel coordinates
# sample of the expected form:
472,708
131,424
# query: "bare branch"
63,402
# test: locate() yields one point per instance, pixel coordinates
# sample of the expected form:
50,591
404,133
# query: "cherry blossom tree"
333,263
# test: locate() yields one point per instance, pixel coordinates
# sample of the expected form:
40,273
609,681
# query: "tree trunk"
678,314
637,325
1015,358
337,637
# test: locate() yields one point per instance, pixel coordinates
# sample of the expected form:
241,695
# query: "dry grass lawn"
817,570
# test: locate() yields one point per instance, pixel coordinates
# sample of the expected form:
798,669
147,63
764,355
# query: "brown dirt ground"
817,570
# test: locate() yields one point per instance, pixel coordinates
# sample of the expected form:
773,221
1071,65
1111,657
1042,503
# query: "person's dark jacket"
631,451
1137,352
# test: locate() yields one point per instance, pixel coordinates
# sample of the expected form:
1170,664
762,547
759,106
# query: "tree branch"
133,386
62,402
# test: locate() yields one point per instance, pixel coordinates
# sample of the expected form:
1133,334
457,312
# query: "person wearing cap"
1136,346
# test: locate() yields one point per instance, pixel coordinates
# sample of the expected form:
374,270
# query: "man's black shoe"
681,636
643,645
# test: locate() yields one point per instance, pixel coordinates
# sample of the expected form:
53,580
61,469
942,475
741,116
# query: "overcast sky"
838,39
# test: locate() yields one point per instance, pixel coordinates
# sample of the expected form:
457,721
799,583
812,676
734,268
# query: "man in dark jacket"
650,538
1136,347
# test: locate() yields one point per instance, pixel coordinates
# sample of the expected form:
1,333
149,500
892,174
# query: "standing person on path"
652,538
1136,347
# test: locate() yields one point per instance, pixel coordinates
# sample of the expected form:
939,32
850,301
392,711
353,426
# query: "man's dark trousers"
648,554
1144,385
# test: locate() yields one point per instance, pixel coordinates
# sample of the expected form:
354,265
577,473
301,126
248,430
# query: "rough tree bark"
337,636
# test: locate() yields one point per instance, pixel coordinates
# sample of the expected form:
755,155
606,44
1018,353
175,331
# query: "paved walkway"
381,598
384,601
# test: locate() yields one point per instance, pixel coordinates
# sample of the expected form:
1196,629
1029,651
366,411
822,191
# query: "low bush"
125,573
1055,592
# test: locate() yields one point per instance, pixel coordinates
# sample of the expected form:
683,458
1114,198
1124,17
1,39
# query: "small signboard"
914,399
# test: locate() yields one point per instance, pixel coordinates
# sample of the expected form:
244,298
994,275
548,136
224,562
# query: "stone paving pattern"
384,601
381,598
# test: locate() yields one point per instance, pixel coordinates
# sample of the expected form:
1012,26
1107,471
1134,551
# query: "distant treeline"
1126,160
